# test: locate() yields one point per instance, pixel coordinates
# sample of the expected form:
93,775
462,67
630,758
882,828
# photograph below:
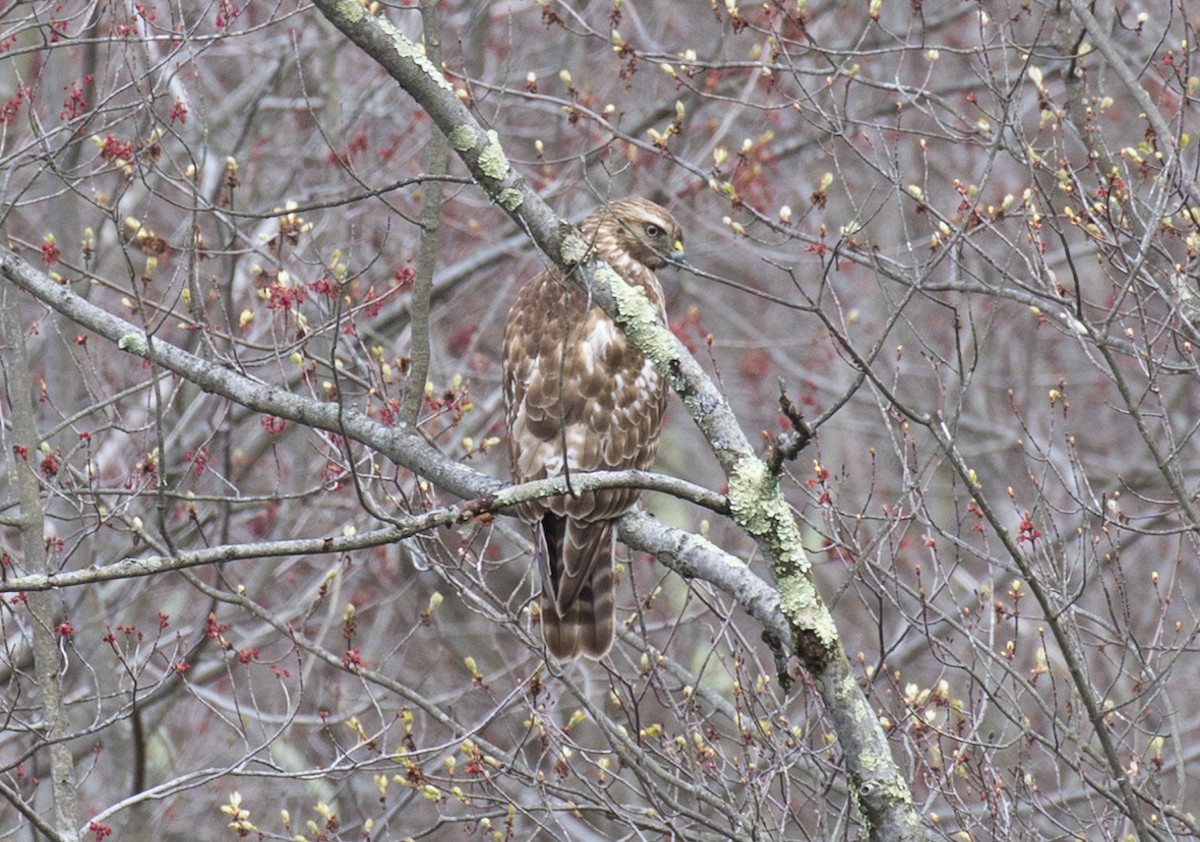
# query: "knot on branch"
812,651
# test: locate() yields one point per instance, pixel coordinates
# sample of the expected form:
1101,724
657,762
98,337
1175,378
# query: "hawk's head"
637,228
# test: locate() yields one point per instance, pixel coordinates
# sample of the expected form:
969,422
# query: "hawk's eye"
652,230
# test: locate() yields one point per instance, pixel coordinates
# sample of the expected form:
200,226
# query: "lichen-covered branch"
481,151
756,501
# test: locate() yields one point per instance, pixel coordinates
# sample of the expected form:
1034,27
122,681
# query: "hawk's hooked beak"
676,255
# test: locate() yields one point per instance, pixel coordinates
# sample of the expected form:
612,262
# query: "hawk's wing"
577,394
596,398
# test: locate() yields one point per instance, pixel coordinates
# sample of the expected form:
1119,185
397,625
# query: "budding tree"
919,554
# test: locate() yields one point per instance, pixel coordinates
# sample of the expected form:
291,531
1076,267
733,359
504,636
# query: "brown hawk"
575,385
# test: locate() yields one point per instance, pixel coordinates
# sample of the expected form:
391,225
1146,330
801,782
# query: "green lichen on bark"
134,343
462,138
510,199
414,53
849,696
639,319
887,788
574,249
492,160
804,608
749,484
758,506
351,10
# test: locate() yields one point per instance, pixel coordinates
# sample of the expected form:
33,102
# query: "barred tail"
577,587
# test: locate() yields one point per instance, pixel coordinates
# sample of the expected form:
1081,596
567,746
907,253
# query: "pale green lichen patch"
804,608
639,319
758,507
574,249
351,10
748,483
492,160
700,405
462,138
847,691
510,199
887,787
413,52
134,343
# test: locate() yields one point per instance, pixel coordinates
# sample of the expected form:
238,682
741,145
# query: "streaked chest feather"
601,343
605,350
645,385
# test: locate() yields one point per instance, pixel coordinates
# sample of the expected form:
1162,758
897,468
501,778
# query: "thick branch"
756,501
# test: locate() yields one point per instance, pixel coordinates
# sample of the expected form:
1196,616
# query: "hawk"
579,396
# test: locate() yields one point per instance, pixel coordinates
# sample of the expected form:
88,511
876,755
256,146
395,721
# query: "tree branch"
756,501
44,607
646,534
438,159
1137,93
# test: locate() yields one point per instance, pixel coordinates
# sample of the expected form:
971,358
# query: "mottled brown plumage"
596,395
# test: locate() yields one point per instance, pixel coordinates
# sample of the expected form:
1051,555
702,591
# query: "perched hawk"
574,383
